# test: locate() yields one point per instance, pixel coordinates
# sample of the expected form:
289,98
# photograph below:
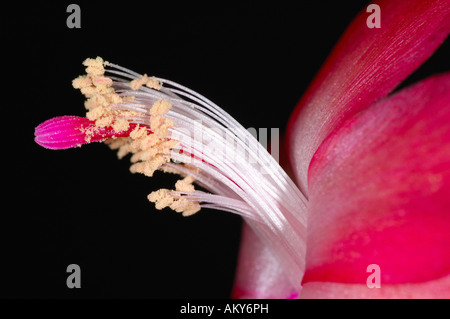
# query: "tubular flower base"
170,128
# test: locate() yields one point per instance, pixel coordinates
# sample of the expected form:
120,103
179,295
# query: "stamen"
168,127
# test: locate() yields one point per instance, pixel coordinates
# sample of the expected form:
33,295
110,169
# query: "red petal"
379,192
365,66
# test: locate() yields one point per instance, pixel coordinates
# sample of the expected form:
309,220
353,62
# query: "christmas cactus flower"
372,170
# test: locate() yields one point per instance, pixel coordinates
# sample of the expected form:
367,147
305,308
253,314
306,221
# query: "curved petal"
379,192
259,273
365,65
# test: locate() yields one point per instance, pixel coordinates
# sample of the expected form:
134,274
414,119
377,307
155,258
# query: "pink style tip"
64,132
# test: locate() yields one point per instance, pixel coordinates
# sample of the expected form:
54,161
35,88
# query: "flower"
338,134
375,169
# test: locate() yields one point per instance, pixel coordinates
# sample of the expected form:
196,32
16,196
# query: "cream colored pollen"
160,107
150,150
137,83
185,185
151,82
161,198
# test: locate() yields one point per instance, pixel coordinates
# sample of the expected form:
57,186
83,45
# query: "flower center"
168,127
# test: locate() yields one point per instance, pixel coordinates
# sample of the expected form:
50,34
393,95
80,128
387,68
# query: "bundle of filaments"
168,127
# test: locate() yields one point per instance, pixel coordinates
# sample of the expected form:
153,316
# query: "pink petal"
259,273
379,192
365,66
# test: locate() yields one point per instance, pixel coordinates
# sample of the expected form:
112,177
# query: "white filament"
250,183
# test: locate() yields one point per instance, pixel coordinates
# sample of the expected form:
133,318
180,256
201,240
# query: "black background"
83,206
